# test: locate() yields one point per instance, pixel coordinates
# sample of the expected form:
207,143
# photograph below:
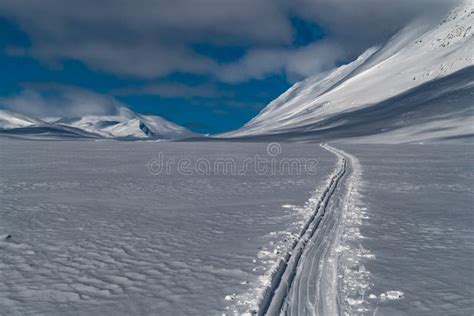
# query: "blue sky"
209,65
232,106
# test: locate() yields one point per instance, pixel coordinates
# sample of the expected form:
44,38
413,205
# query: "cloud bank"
153,38
53,100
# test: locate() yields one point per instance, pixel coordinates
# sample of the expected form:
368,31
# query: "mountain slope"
10,119
125,124
19,125
404,73
128,124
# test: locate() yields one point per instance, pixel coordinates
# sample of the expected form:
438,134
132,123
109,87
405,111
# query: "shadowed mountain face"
416,87
439,109
50,131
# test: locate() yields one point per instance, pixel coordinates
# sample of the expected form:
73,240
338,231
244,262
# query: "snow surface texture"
123,125
331,278
419,227
85,229
92,232
403,247
418,86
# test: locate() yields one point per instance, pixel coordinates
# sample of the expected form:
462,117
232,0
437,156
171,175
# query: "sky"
208,65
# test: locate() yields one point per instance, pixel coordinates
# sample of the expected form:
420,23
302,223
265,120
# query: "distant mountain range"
419,86
124,125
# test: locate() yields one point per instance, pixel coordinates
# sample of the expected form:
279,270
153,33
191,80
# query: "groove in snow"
306,280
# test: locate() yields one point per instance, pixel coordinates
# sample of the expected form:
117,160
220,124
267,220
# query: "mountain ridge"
123,125
420,53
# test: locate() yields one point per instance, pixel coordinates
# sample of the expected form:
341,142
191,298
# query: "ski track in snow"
305,281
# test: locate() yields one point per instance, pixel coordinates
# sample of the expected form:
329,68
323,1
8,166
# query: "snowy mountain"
125,124
19,125
418,86
10,120
128,124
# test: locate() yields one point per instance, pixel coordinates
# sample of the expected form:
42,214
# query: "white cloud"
153,38
59,100
173,90
295,63
144,38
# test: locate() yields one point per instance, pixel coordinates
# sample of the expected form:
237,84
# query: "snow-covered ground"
93,232
419,226
91,227
321,274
